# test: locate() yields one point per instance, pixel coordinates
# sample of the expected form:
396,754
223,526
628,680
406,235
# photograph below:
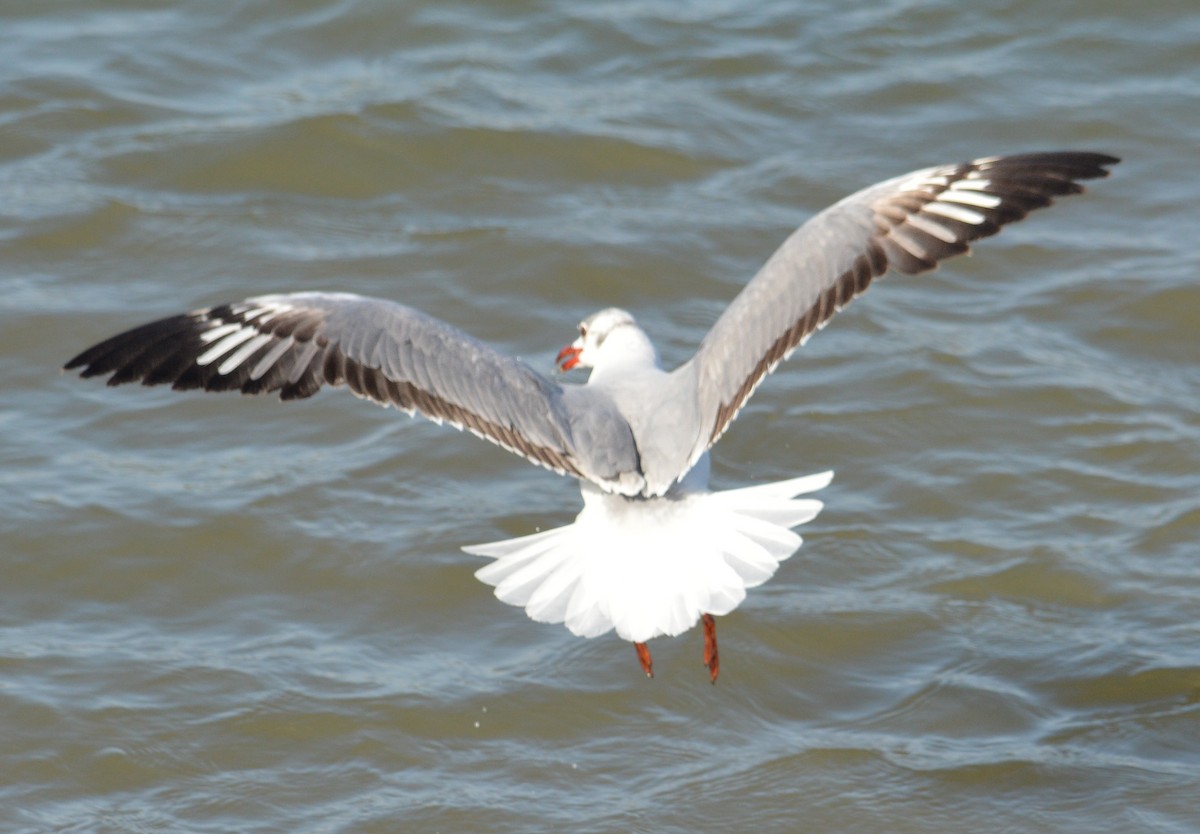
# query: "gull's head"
594,332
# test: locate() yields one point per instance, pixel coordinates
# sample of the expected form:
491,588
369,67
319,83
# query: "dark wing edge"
385,352
909,223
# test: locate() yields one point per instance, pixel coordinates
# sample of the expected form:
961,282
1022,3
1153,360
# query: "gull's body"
653,550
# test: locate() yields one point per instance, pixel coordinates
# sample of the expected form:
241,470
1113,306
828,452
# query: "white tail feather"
651,567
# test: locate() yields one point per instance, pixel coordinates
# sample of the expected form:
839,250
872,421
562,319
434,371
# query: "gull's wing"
909,224
385,352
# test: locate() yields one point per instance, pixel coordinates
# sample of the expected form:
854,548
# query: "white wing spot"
954,212
932,227
271,357
225,345
244,352
920,182
214,333
251,313
970,197
272,312
307,351
909,242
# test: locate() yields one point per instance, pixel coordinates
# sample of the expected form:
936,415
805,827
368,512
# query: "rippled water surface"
224,614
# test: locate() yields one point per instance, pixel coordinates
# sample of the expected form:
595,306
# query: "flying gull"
653,551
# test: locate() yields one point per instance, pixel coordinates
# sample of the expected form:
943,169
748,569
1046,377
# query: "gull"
653,551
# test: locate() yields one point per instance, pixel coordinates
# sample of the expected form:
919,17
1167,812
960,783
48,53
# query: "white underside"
651,567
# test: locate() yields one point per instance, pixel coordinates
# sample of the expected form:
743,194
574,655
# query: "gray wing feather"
909,223
394,355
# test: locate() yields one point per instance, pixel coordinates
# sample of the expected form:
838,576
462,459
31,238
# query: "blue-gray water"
225,614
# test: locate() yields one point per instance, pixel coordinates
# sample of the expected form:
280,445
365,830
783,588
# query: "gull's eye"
582,332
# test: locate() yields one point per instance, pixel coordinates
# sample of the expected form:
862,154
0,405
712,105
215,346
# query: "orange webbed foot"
711,659
643,653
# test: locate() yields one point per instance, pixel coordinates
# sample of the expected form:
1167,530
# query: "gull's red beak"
568,357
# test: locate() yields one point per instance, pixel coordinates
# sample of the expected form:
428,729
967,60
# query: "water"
224,614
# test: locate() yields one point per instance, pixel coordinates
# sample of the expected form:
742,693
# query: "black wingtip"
130,355
1071,165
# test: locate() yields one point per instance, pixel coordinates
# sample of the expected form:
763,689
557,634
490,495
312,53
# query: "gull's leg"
643,654
711,659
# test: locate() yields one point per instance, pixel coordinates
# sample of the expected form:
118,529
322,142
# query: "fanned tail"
652,567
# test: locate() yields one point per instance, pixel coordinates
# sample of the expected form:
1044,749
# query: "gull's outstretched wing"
909,224
385,352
